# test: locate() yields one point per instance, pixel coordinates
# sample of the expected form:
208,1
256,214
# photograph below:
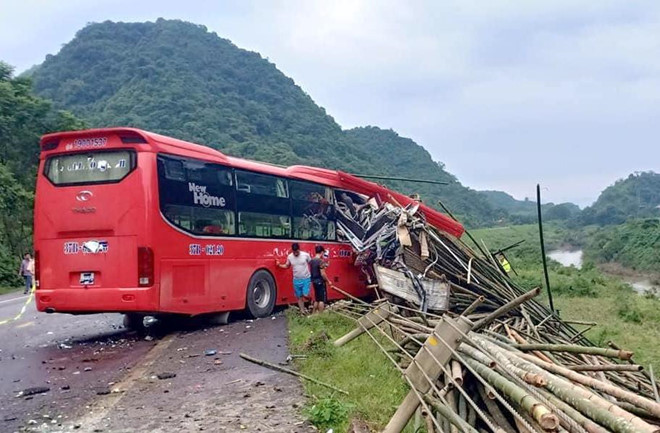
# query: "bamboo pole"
541,414
506,308
428,420
607,367
655,387
457,372
477,355
649,405
575,415
288,371
473,306
456,422
571,348
593,406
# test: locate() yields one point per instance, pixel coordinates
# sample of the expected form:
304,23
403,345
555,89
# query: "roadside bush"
628,311
328,412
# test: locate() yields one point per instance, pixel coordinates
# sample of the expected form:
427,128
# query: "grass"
375,387
5,290
630,320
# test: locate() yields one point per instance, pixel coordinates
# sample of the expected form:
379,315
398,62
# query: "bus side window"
174,170
197,196
313,211
263,205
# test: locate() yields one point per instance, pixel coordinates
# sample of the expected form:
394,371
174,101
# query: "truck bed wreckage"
479,353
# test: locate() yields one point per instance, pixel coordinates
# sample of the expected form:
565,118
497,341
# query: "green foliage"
525,211
627,311
561,212
328,412
375,387
637,196
178,79
634,244
23,119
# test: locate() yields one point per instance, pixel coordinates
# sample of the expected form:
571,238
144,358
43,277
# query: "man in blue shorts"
299,261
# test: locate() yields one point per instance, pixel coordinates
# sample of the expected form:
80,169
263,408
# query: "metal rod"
403,179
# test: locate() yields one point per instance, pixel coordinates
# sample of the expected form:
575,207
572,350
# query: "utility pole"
545,265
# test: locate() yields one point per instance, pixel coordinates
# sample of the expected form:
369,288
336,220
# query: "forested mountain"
637,196
23,119
524,211
178,79
634,244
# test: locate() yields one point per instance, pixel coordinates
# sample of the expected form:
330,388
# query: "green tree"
637,196
24,117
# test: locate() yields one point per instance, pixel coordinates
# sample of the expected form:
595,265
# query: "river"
567,257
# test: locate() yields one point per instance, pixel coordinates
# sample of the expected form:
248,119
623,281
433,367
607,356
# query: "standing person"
27,272
320,279
299,260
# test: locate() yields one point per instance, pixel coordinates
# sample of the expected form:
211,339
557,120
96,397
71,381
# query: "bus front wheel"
261,294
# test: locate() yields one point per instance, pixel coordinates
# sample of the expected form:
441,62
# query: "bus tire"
261,294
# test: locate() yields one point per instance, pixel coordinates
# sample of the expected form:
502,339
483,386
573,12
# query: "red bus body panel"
125,216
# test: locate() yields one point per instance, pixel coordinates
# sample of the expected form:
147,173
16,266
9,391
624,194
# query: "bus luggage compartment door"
184,287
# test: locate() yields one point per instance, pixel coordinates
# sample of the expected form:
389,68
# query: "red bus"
135,222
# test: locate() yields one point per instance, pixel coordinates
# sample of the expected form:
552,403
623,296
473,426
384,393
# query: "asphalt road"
74,357
99,377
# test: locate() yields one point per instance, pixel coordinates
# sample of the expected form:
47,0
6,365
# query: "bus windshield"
89,167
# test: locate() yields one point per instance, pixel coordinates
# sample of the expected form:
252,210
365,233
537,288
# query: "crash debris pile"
487,356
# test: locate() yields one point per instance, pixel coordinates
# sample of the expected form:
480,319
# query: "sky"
507,94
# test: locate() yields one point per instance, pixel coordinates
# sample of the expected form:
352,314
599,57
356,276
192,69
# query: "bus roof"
149,141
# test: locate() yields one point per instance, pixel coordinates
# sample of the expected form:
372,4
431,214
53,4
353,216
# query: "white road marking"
13,299
24,325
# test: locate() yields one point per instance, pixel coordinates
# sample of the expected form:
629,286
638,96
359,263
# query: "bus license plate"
86,278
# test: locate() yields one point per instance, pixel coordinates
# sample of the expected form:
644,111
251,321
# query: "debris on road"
163,376
33,391
477,351
104,390
210,352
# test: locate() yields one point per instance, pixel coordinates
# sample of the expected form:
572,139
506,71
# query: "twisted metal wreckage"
479,353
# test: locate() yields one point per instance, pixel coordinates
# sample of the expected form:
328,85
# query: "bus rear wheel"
261,294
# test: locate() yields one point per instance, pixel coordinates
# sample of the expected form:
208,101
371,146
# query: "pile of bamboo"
497,360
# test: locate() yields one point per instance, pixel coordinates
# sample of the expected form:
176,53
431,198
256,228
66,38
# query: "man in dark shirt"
319,279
